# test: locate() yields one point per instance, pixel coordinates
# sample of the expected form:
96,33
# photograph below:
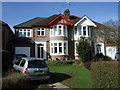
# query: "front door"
41,51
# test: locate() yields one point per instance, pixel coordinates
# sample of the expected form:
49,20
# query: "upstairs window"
24,33
40,32
58,30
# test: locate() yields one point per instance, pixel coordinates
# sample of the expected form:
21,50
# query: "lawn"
78,76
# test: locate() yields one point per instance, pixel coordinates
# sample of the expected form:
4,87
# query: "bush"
58,62
15,80
84,50
105,74
7,58
100,56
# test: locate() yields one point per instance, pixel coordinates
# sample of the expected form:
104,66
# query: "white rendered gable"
85,21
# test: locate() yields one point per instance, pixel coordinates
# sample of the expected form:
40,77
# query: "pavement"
55,86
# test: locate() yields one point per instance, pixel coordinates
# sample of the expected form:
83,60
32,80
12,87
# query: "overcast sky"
15,13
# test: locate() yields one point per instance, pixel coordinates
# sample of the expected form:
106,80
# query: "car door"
22,66
16,65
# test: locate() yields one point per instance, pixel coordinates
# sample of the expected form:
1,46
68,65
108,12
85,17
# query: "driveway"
52,84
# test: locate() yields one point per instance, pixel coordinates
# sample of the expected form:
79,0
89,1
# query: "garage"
110,51
24,46
22,50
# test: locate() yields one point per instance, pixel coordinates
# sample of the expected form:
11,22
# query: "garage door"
22,50
110,51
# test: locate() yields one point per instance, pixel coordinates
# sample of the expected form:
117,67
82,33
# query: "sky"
14,13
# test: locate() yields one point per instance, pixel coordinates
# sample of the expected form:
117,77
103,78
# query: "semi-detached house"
54,37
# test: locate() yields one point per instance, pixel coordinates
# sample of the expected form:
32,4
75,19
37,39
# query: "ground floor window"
59,47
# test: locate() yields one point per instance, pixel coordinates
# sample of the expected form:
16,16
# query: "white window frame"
41,29
26,31
54,33
75,44
58,53
87,30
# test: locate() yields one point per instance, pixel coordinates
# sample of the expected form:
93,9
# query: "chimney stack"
67,14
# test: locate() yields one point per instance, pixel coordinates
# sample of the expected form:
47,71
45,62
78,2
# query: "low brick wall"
59,57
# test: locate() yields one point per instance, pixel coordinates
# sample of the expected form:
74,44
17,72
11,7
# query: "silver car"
34,68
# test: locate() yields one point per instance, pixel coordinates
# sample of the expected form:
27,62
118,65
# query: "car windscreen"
37,64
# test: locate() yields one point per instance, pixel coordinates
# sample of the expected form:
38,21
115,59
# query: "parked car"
17,57
34,68
117,56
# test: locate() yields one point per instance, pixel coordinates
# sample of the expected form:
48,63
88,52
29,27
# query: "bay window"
82,31
58,30
40,32
25,33
58,47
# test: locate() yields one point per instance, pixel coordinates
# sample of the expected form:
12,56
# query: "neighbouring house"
55,37
6,47
7,36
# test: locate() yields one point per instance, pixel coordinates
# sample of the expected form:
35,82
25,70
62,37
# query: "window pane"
79,30
88,31
24,34
84,30
55,49
65,48
42,33
38,32
22,63
51,44
59,26
60,32
55,44
51,49
60,44
28,34
60,50
42,28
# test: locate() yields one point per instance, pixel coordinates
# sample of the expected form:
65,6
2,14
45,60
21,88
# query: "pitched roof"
74,19
41,21
30,22
45,21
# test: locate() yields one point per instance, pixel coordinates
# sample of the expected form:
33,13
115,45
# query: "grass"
80,76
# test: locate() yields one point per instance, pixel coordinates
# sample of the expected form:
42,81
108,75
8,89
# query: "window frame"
40,29
24,33
63,52
54,31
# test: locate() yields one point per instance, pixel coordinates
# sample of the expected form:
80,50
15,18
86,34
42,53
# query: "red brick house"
54,37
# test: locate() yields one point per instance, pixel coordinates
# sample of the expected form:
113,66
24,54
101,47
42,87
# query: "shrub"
84,50
100,56
105,74
15,80
58,62
7,58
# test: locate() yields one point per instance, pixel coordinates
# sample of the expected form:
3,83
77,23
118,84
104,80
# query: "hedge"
15,80
105,74
59,62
